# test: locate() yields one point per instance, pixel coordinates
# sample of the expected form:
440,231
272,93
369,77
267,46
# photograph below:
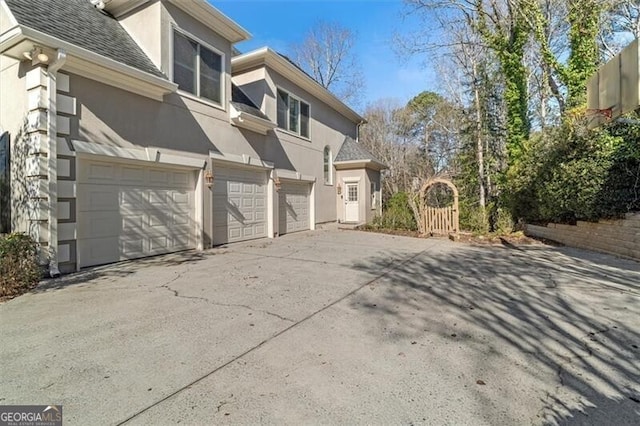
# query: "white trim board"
241,160
150,155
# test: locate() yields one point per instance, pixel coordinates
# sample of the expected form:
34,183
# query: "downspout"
52,156
358,130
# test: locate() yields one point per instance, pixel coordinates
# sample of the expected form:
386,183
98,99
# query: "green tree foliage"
584,18
575,174
507,34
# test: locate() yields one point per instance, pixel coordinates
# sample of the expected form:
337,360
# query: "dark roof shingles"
243,103
78,22
353,151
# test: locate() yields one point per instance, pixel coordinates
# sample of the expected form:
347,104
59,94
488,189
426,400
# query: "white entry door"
351,204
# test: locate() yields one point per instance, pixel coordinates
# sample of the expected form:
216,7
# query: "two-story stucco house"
133,130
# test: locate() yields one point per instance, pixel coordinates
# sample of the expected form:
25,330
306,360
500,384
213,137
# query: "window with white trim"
293,114
197,69
328,165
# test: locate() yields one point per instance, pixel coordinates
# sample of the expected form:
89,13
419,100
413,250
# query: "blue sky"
278,23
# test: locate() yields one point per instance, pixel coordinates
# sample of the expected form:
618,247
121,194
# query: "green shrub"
472,219
396,214
572,173
19,269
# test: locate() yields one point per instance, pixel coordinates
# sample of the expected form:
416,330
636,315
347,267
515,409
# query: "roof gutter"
52,156
84,58
265,56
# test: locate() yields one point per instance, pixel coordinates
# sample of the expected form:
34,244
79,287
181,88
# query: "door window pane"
352,193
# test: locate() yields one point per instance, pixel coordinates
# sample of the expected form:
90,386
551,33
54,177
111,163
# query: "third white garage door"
294,207
239,204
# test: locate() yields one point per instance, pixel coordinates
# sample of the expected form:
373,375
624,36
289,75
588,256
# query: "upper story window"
293,114
197,69
328,176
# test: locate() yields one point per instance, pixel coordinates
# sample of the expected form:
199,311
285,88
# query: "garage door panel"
159,177
239,205
132,175
294,207
103,198
134,222
140,211
98,173
96,251
181,179
133,198
99,224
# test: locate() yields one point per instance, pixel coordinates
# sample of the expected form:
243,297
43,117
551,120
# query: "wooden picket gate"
441,220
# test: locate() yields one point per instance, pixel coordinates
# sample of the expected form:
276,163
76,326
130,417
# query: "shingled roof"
354,151
78,22
242,103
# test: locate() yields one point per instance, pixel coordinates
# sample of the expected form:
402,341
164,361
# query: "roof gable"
81,24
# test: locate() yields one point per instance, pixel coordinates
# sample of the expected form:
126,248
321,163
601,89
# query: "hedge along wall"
619,237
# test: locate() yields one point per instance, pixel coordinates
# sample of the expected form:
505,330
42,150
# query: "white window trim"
223,70
330,182
299,99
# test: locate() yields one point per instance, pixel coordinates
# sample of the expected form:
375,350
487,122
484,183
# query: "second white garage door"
131,210
294,208
239,204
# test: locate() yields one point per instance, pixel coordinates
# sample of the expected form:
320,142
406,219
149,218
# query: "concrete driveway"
333,327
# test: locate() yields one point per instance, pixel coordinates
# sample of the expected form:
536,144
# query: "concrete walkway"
334,326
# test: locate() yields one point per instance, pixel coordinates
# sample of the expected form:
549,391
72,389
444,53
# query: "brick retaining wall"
619,237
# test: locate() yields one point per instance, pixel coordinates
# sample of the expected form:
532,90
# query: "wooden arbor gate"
441,220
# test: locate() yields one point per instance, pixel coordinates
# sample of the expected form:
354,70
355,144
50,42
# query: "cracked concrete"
333,327
228,305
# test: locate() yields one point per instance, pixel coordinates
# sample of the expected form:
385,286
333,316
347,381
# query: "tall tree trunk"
479,143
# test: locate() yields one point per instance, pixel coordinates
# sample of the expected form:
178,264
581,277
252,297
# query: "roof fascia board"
266,56
125,7
114,78
353,164
213,19
92,65
251,122
10,38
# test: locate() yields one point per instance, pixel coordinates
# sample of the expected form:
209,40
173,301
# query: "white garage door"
126,211
239,204
293,207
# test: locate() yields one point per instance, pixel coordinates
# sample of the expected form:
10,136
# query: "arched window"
328,165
